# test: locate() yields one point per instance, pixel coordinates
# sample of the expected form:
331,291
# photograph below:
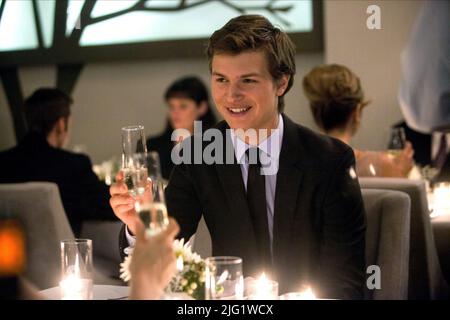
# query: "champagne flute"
150,202
397,142
133,142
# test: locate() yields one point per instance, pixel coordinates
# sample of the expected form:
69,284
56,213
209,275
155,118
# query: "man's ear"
282,84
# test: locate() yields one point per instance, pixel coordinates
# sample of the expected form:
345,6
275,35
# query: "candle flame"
372,170
307,294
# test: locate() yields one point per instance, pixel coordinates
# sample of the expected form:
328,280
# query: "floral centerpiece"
190,276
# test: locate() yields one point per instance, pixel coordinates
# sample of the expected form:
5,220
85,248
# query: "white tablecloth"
101,292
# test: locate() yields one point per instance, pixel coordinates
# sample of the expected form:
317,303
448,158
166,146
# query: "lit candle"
441,199
264,289
73,287
306,294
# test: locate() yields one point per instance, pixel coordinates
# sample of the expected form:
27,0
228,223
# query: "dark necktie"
256,198
442,153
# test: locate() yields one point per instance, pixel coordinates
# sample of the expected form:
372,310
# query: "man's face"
244,91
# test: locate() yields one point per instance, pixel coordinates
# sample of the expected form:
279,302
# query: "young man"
302,223
40,157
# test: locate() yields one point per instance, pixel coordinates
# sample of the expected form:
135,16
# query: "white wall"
374,55
111,95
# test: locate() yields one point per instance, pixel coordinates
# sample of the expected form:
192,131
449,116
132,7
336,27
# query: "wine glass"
397,142
133,142
150,202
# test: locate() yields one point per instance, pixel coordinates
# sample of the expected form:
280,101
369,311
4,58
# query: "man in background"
40,157
424,93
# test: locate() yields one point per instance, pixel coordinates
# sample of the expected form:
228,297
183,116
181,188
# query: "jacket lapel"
230,177
288,185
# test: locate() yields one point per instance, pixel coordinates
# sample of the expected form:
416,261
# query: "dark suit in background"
84,197
163,145
421,144
319,220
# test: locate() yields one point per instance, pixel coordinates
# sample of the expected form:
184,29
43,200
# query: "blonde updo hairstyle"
334,93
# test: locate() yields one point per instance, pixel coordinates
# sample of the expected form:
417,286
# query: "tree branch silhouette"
87,20
85,15
2,8
59,24
37,22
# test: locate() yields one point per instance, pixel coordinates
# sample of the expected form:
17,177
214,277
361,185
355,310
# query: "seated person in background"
336,100
188,100
39,157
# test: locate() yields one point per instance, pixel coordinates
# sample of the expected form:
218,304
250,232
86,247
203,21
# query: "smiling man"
303,224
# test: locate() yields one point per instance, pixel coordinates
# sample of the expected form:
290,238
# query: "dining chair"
202,240
104,236
387,243
426,280
38,206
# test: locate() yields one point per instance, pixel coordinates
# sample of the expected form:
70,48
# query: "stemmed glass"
133,143
397,142
150,202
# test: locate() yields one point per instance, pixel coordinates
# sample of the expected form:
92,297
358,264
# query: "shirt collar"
270,146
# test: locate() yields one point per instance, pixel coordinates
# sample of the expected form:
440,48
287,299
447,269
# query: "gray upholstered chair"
104,236
387,242
38,206
425,276
202,240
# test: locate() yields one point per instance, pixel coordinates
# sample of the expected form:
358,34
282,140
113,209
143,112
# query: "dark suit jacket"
163,145
319,220
84,197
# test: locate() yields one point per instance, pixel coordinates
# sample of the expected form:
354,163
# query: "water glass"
77,269
224,279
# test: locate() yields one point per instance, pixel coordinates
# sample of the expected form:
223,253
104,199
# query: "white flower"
125,274
189,262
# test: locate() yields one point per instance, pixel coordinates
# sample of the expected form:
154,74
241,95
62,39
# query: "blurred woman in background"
188,101
337,99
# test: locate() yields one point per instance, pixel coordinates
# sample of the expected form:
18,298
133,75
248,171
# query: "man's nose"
234,93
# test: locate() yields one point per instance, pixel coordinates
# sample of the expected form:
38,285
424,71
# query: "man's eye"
249,81
221,80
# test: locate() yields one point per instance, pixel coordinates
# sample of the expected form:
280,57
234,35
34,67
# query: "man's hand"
123,204
153,263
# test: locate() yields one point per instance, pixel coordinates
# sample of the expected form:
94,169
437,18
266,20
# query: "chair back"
39,208
387,242
426,280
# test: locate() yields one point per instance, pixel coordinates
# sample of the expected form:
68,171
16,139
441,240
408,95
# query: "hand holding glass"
150,203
